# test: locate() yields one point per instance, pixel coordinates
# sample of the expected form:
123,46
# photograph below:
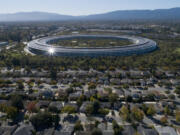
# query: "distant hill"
34,16
159,14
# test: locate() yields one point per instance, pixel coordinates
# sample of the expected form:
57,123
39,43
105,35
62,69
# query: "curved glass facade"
140,46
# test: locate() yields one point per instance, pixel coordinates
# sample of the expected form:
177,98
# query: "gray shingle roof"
24,130
7,130
165,130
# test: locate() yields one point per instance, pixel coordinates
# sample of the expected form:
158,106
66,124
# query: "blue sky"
82,7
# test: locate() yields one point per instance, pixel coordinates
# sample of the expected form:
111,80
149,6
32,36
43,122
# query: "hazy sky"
82,7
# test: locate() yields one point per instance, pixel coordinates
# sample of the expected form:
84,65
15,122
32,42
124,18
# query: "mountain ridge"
158,14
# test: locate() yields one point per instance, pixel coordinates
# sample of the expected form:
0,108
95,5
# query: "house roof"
165,130
146,131
83,106
3,101
43,104
57,104
128,130
49,131
24,130
7,130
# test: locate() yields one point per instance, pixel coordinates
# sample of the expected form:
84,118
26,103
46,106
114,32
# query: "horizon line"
86,14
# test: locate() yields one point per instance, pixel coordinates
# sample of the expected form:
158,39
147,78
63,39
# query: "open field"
80,42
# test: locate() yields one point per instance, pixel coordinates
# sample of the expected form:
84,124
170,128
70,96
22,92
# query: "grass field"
80,42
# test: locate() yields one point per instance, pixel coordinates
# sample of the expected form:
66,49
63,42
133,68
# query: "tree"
68,109
3,107
11,112
16,101
171,96
103,111
69,90
151,111
117,129
55,119
44,120
129,98
163,120
53,109
113,97
78,126
167,111
76,85
101,68
137,133
144,108
93,108
125,113
96,131
150,97
111,68
137,114
177,90
125,86
178,116
53,73
96,107
109,90
20,85
89,109
91,86
80,100
31,107
96,123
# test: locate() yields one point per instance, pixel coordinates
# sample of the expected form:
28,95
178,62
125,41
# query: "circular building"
44,46
3,44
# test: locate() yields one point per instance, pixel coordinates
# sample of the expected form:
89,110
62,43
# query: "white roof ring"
140,45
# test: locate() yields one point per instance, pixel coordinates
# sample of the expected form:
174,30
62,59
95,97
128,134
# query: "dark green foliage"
53,73
117,129
93,108
53,109
167,57
17,101
149,110
68,109
177,90
44,120
96,131
11,112
78,126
